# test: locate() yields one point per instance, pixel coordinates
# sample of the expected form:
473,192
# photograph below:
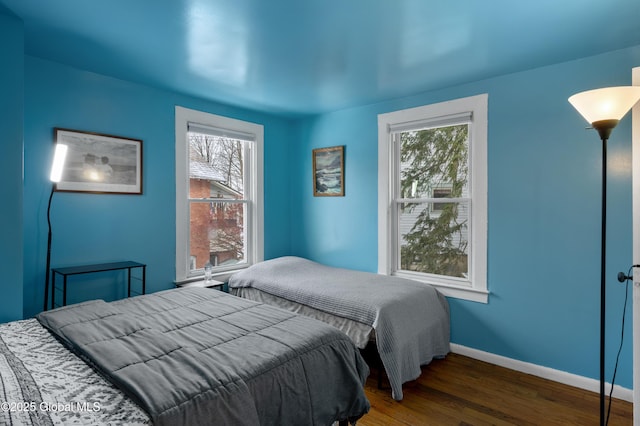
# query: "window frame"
254,183
475,288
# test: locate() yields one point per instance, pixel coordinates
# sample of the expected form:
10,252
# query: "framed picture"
328,172
100,163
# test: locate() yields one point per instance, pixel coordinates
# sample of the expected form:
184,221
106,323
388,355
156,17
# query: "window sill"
473,295
202,283
452,290
218,276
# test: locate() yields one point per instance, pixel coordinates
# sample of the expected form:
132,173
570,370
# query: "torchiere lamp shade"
610,103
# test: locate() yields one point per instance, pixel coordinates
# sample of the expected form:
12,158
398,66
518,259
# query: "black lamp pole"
603,292
47,273
604,129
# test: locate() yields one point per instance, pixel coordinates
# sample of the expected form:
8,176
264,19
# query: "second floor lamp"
57,168
603,109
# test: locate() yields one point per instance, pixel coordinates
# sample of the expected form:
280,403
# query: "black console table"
88,269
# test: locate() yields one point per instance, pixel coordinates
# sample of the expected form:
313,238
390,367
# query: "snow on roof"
204,170
199,168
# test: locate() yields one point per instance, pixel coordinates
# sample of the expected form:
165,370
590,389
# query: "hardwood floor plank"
463,391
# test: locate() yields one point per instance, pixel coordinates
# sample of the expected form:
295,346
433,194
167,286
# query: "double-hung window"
219,213
432,210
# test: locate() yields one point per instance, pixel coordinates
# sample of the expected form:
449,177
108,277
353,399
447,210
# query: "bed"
178,357
409,321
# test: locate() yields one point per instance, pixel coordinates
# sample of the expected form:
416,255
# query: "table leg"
53,291
129,282
64,292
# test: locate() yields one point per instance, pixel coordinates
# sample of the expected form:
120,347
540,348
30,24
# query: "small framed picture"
328,172
100,163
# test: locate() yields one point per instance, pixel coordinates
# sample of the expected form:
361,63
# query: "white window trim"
478,106
256,253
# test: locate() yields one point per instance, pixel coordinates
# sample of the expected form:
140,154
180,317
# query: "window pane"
434,238
440,193
434,160
216,167
216,228
217,234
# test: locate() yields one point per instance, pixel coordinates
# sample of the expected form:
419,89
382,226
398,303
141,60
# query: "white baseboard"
544,372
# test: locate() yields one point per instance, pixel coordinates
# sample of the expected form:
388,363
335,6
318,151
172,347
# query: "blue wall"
544,213
90,228
11,111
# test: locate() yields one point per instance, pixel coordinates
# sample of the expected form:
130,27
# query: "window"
219,213
432,211
440,192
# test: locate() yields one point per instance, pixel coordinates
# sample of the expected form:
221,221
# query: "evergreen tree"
435,158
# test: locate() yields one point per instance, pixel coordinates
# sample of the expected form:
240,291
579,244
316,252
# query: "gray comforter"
199,356
411,319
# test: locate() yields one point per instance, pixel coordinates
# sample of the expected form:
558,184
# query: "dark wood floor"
463,391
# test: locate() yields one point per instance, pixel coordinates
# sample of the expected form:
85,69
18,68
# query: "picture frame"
99,163
328,171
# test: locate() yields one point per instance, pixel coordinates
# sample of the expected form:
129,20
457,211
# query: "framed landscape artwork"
328,172
100,163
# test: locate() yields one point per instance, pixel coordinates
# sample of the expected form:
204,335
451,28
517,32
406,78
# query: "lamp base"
604,127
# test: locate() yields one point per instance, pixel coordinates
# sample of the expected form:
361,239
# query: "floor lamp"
56,174
603,109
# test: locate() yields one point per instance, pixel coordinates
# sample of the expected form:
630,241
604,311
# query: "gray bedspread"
199,356
411,319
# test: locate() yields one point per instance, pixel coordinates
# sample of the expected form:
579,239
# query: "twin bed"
408,321
197,356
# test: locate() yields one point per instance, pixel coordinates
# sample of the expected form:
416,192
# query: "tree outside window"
433,209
